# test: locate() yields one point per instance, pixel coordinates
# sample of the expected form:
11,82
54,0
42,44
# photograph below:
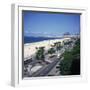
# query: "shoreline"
30,48
51,40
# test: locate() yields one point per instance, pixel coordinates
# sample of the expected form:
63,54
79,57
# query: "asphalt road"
45,70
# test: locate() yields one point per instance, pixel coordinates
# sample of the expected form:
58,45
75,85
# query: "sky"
48,24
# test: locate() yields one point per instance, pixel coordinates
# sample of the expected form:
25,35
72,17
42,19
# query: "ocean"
37,39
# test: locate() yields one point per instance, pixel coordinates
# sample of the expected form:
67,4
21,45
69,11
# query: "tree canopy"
70,65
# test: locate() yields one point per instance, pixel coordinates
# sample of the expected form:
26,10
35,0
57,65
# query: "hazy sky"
50,24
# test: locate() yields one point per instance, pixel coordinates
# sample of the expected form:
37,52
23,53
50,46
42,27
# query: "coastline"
30,48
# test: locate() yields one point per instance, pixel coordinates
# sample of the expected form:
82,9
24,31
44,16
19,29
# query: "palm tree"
40,53
51,51
58,45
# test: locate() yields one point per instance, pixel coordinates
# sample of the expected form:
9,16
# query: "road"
45,70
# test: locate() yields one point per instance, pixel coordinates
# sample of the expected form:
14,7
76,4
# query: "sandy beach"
30,48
